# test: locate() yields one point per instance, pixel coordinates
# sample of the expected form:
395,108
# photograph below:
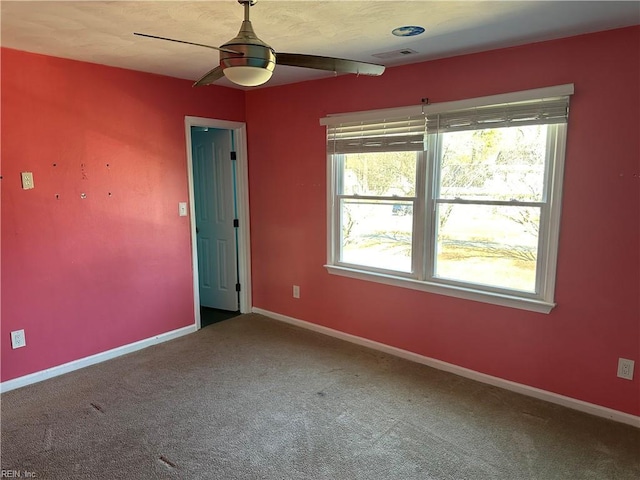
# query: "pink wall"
84,276
572,351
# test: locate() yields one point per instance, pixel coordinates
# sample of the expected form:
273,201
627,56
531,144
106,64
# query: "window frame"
424,224
418,218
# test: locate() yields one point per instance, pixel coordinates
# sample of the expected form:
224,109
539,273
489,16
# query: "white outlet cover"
625,368
27,180
18,339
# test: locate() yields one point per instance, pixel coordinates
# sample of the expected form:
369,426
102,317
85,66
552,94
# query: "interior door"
214,207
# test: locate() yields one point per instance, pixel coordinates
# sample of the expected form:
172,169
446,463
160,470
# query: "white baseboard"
551,397
93,359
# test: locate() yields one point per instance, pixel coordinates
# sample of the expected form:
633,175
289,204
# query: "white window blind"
395,134
537,112
408,133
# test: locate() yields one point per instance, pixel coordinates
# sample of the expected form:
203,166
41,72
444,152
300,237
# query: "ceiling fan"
248,61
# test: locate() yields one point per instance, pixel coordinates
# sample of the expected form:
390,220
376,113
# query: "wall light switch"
182,209
27,180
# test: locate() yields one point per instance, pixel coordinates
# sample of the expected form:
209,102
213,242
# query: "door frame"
242,200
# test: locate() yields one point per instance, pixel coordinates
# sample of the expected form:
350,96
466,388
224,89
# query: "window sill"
521,303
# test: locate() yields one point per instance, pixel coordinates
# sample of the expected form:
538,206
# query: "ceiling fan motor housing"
249,55
252,52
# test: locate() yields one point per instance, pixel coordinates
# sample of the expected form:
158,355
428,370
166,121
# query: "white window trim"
547,285
448,290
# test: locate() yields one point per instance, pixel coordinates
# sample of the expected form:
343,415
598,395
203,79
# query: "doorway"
219,217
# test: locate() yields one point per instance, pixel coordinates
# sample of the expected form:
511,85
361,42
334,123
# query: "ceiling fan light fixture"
252,66
247,76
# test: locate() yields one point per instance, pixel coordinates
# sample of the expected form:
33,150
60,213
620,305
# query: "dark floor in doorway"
209,316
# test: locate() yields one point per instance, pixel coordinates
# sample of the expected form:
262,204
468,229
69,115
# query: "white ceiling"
102,32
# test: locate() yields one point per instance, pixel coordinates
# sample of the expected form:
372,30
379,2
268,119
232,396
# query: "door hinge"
236,223
237,287
233,155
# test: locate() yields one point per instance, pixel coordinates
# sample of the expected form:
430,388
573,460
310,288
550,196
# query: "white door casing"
242,212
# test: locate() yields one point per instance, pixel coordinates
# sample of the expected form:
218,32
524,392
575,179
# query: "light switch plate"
27,180
182,209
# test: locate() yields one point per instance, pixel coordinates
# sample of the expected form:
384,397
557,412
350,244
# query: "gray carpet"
251,398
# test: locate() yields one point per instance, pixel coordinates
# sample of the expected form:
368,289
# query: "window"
459,198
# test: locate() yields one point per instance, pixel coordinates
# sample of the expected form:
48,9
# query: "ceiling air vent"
395,54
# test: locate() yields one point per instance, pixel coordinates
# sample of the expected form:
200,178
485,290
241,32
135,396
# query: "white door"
215,206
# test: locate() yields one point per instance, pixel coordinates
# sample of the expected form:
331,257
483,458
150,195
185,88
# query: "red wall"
82,276
572,351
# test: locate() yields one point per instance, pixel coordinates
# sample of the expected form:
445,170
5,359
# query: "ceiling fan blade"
188,43
210,77
338,65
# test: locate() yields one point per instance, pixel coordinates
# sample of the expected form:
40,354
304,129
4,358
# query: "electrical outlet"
27,180
18,339
625,368
296,291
